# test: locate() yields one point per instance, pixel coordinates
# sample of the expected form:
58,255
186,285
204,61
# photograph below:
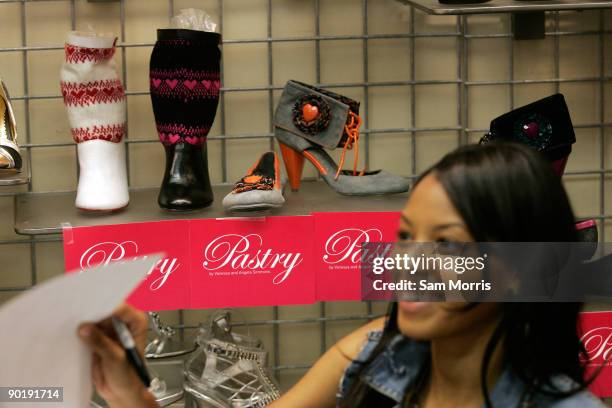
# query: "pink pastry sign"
337,249
167,283
208,263
251,262
596,336
235,262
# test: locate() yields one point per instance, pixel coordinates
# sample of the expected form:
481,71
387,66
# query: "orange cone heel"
294,163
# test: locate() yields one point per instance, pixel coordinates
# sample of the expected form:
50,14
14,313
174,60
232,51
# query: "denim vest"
394,370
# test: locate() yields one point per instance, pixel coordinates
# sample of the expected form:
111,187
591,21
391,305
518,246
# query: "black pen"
133,357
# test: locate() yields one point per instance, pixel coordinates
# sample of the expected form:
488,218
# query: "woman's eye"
403,235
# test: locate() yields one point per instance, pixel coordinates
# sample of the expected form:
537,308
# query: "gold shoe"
10,159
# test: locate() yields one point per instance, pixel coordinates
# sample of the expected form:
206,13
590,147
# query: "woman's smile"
412,308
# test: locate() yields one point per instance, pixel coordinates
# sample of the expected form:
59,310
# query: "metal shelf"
13,178
505,6
45,213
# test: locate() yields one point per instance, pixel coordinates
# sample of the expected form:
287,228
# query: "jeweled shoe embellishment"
254,183
531,129
544,125
311,114
534,130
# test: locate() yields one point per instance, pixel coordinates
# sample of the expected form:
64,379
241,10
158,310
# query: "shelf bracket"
528,25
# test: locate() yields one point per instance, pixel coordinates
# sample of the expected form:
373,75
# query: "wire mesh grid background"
390,58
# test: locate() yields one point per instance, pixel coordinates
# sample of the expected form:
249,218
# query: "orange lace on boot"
352,130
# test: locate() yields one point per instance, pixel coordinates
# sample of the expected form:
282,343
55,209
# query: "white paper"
39,346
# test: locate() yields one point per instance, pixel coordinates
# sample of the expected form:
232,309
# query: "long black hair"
507,192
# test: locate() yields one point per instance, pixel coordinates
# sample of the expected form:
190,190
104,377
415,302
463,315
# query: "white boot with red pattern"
95,101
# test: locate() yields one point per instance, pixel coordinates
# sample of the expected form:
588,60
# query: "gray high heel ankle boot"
309,119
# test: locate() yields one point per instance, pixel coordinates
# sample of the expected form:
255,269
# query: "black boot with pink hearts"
184,83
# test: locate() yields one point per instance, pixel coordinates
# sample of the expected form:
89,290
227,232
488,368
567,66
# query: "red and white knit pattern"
107,91
76,54
111,133
93,94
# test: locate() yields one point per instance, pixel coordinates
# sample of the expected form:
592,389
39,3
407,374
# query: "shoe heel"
294,163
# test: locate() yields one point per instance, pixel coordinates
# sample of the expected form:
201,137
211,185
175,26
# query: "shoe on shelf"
260,189
544,125
166,342
184,80
228,370
95,103
309,119
10,158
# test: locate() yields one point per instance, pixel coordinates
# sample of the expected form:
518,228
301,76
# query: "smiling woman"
449,354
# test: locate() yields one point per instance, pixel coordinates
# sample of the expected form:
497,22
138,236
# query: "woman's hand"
115,380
